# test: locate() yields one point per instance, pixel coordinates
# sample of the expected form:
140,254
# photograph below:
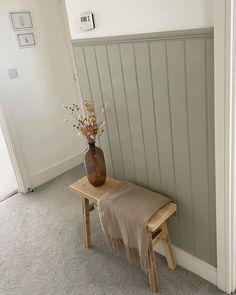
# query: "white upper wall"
33,102
120,17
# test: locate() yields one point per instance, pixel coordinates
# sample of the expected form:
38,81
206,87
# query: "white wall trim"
64,17
225,70
191,263
55,170
15,153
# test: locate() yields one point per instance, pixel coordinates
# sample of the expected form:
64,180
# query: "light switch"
13,73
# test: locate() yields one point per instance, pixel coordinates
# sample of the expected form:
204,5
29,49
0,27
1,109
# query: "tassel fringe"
117,247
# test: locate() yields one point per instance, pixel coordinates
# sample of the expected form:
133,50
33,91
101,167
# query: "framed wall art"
26,40
21,20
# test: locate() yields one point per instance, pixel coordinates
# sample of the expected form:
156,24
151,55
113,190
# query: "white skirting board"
55,170
191,263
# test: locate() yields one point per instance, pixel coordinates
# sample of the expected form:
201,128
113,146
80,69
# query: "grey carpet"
42,252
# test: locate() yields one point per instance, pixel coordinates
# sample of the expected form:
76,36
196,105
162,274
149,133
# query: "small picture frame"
21,20
26,40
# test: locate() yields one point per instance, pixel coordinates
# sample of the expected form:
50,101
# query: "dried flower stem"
87,125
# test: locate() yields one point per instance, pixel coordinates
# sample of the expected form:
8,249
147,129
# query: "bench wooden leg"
152,273
86,225
167,247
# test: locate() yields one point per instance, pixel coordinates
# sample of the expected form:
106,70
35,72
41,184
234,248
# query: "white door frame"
15,153
225,69
67,37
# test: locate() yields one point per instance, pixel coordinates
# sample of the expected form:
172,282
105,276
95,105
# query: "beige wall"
33,102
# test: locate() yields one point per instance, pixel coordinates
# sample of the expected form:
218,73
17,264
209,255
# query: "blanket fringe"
118,247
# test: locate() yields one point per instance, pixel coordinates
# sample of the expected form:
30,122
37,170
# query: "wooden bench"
156,225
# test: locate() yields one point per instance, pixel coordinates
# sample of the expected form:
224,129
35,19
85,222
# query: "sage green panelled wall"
160,121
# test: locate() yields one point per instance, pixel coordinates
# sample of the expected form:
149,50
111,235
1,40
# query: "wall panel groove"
163,118
154,115
134,112
210,145
94,82
141,117
127,143
106,90
196,80
207,143
175,57
189,149
122,176
160,121
147,115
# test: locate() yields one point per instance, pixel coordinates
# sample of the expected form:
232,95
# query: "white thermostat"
86,21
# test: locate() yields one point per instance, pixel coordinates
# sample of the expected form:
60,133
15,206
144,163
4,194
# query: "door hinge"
75,77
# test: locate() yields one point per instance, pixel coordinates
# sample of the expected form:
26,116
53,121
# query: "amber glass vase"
95,166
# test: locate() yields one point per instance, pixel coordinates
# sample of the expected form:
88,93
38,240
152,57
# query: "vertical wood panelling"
132,96
177,92
121,111
211,146
147,115
164,128
111,118
197,112
95,86
160,123
82,72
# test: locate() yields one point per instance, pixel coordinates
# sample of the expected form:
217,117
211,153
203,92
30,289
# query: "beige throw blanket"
124,212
